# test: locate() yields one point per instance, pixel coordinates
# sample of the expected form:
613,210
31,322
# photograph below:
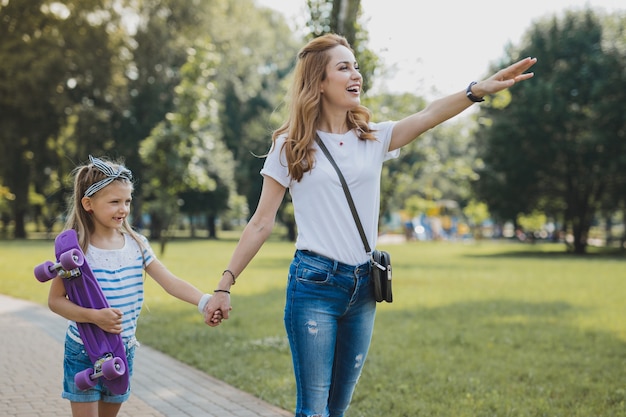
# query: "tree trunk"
212,228
344,17
18,183
608,227
581,223
581,233
192,226
156,226
20,230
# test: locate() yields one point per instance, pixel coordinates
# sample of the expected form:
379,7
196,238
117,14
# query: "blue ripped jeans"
329,318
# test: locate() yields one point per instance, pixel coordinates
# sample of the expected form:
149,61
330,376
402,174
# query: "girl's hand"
109,320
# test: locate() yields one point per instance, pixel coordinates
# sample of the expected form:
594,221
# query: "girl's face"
342,86
111,205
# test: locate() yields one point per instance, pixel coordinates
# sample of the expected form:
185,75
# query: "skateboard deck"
105,350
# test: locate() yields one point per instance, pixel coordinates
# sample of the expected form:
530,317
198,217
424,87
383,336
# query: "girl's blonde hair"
305,105
86,176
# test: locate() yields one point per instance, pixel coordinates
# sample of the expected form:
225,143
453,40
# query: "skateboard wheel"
71,259
83,379
113,368
43,272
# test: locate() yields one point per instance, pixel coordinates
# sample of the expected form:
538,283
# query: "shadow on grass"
493,358
551,251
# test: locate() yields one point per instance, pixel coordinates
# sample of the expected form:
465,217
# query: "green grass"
474,330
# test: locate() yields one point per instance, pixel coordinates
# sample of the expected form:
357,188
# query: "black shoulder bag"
380,260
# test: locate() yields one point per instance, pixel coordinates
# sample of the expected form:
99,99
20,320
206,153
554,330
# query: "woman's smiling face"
342,86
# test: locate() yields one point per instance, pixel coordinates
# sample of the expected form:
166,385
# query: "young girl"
117,255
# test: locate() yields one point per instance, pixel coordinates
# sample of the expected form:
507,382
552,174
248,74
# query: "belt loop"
363,268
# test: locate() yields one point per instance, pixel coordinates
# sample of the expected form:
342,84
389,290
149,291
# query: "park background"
513,308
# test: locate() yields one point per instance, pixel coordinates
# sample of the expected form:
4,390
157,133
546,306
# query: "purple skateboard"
106,350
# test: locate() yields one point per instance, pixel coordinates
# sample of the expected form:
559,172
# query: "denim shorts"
77,360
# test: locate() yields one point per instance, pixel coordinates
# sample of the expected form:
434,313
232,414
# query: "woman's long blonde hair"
78,218
305,105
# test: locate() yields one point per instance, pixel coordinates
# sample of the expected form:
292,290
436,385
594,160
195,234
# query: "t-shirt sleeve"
148,253
275,165
383,133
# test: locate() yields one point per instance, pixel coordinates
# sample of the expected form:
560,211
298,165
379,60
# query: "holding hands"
216,308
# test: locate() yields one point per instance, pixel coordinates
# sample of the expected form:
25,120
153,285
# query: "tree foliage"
559,147
56,66
183,155
99,77
188,96
256,60
344,17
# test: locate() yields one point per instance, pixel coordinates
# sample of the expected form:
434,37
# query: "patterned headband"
111,175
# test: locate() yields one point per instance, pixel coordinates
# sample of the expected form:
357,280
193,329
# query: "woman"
330,306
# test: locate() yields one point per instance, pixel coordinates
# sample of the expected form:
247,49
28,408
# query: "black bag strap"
346,190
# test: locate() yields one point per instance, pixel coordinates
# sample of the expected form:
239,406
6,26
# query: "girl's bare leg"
84,409
108,409
95,409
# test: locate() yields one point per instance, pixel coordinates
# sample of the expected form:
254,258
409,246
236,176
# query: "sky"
437,47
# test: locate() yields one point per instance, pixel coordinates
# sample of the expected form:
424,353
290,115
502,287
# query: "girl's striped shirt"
120,275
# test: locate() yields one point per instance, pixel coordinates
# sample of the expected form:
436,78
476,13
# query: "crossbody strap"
346,190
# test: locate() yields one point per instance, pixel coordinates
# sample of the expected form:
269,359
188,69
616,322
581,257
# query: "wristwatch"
471,96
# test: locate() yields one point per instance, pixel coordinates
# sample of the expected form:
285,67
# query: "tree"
55,68
256,60
342,17
186,163
559,149
156,49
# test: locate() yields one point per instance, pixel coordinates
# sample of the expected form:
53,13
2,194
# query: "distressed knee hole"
311,326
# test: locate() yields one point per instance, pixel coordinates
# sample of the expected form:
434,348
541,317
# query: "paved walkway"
31,355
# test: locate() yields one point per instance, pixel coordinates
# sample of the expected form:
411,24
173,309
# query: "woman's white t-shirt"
323,217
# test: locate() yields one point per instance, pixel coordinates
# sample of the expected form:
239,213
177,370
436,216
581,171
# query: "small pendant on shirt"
340,143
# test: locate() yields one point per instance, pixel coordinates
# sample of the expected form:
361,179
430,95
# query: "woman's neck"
333,122
339,128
